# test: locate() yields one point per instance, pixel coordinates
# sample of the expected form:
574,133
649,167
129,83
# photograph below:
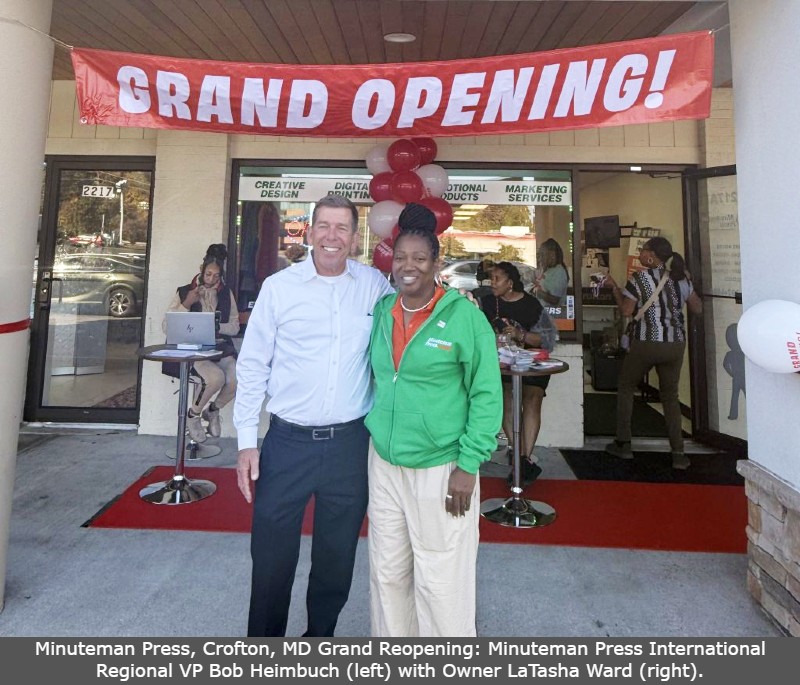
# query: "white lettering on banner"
134,97
547,82
507,96
461,97
413,108
579,88
312,93
655,79
173,92
264,188
663,65
256,102
215,100
622,91
379,88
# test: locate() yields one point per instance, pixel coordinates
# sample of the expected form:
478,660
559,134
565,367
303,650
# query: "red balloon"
406,186
427,149
403,155
395,233
442,210
380,186
382,257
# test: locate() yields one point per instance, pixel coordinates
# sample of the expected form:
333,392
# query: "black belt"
316,432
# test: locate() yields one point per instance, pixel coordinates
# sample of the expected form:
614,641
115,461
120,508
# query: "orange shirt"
401,333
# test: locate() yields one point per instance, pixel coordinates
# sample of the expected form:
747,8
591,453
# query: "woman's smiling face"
413,266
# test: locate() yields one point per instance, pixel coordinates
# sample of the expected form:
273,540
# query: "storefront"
191,207
256,194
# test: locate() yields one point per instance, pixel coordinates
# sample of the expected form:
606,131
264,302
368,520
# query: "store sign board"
510,193
665,78
282,189
279,189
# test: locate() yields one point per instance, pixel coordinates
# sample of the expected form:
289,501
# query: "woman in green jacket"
438,406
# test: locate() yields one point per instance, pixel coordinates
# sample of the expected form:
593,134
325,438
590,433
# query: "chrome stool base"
518,513
195,451
178,490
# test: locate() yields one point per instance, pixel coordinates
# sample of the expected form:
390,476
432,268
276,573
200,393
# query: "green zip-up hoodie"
445,401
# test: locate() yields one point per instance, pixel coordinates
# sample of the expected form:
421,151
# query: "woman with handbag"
658,339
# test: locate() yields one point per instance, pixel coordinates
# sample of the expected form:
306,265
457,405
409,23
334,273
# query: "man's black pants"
297,462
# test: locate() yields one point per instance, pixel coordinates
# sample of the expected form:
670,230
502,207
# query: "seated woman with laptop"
208,293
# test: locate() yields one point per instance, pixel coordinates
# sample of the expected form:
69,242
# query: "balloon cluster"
402,172
769,335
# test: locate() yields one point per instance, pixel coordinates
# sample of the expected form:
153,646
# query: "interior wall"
648,202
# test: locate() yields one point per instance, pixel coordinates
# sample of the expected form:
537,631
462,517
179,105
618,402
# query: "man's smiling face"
332,237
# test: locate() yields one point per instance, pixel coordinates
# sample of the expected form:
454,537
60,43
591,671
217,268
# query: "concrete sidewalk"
67,581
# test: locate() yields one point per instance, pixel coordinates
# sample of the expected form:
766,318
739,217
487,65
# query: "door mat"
654,467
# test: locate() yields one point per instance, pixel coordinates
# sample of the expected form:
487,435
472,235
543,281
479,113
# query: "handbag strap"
652,297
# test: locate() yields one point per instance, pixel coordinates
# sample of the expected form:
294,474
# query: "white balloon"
769,335
434,179
383,216
376,159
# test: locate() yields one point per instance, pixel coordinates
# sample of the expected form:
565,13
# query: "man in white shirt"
306,348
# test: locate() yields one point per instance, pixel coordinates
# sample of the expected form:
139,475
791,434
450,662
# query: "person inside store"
524,322
483,274
208,292
295,253
306,349
551,285
438,407
658,340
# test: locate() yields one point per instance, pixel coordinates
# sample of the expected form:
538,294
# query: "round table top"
547,369
154,353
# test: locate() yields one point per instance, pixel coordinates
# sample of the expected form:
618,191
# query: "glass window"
520,216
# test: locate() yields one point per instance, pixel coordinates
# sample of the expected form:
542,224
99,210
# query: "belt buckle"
322,433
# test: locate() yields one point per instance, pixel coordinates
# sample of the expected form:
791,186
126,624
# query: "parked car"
95,240
461,274
109,283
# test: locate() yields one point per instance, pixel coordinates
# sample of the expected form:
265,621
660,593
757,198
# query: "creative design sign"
656,79
295,189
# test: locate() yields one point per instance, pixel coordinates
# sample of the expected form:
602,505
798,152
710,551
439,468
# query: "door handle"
44,292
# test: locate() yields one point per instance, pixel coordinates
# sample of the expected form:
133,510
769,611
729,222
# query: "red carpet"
657,516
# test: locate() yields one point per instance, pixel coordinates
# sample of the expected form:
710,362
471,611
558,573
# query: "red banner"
657,79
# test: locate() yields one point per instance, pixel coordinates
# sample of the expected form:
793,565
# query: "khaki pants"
422,559
218,377
667,357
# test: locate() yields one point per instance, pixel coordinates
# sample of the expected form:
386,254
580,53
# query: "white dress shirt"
306,348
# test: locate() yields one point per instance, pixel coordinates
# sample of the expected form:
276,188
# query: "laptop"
191,328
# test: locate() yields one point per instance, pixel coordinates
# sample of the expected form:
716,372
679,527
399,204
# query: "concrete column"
27,59
766,104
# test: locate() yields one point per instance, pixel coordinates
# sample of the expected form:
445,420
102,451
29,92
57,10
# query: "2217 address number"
97,191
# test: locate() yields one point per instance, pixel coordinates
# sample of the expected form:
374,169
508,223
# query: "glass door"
719,383
90,291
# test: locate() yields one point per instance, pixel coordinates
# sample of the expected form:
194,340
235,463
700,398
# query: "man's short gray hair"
336,202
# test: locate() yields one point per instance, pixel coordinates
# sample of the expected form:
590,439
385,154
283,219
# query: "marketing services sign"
308,189
656,79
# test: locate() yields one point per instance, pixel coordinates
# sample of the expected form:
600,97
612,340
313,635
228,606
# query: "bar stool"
179,489
516,511
195,451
